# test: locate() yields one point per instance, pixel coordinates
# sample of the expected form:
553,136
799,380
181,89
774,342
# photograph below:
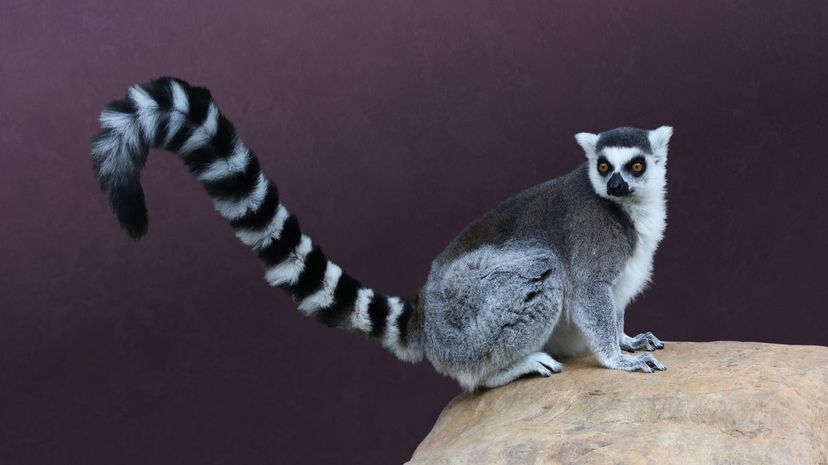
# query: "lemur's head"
627,164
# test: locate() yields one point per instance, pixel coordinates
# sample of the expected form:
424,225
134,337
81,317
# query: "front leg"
646,341
595,316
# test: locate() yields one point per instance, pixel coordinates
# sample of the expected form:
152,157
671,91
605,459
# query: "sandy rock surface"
718,403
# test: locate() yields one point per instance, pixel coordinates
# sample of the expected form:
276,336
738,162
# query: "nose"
616,186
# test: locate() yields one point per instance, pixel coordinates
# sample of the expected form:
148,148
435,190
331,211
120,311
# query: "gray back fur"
564,215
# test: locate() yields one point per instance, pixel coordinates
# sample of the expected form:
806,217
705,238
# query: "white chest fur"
649,219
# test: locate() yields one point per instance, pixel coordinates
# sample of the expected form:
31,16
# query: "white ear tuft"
659,140
587,141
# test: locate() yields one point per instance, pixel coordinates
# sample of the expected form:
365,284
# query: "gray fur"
531,280
624,137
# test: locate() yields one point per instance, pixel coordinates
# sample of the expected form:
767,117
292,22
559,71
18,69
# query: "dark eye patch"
603,161
636,160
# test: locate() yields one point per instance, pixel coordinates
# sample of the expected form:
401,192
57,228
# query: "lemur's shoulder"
571,214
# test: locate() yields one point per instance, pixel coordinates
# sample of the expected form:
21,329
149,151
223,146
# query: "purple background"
389,125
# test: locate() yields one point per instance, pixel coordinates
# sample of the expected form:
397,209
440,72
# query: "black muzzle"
617,187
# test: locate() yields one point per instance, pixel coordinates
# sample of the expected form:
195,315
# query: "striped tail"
168,113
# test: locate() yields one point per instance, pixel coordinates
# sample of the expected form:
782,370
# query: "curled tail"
168,113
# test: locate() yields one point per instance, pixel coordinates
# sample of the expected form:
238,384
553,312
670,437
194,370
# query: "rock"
717,403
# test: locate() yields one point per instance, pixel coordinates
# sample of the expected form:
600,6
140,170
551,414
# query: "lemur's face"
627,164
621,171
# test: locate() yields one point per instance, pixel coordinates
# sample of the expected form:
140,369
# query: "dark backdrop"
388,125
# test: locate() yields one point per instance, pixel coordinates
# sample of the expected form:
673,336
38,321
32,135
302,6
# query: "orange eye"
603,167
637,167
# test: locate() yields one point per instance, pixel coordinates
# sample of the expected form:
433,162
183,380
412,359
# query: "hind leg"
488,314
538,363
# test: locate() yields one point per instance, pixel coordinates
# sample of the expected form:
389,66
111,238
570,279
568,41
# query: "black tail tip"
136,230
127,200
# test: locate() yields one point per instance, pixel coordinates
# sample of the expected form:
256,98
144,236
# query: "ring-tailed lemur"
547,272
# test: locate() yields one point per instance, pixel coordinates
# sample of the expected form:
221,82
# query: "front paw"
646,341
643,362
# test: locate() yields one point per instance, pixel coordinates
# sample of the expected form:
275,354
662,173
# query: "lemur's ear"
587,141
659,140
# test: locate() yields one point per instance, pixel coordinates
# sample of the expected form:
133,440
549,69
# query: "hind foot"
644,362
539,363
